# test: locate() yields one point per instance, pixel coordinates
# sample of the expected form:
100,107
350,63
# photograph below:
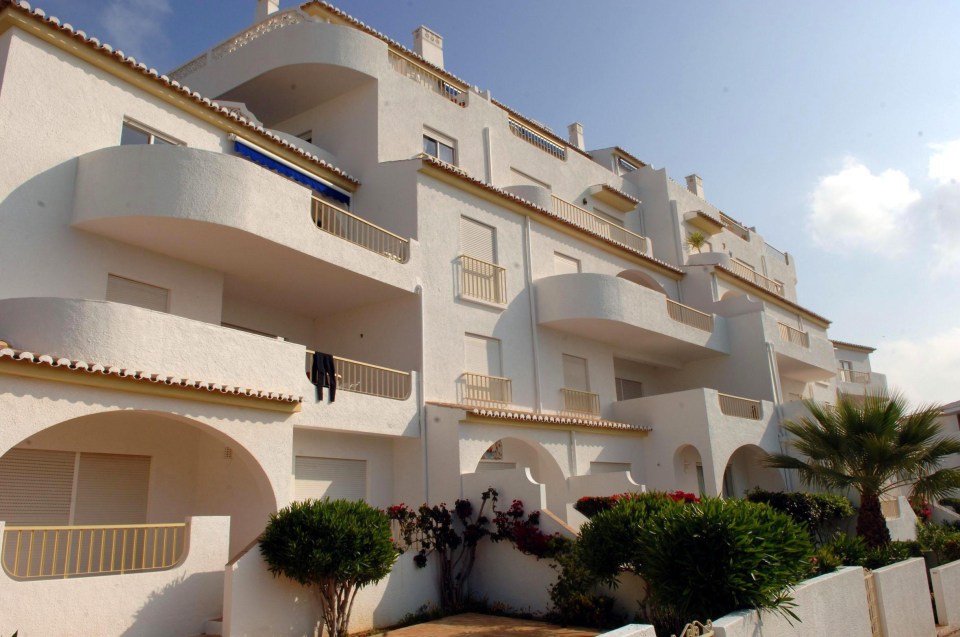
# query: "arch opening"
744,472
517,453
688,470
642,278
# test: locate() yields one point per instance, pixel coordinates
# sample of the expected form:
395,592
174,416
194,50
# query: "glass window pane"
429,146
131,135
446,153
160,140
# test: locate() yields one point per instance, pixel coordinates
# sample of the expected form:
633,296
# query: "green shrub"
943,540
890,553
703,560
591,505
849,550
817,511
953,503
334,547
574,596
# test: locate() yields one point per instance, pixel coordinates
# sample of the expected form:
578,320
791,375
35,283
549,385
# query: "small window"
334,478
151,297
562,264
482,355
134,134
478,240
629,389
441,147
846,365
575,373
624,167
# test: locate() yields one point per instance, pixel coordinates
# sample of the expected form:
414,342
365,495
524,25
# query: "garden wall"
946,592
904,599
832,604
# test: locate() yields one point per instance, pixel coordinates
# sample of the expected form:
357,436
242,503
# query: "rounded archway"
745,471
732,294
517,453
642,278
134,467
688,470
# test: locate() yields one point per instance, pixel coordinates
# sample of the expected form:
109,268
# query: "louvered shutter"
478,240
629,389
36,486
112,489
130,292
575,373
563,264
482,355
334,478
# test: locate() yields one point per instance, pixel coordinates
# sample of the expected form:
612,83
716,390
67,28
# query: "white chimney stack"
265,8
695,185
428,45
575,135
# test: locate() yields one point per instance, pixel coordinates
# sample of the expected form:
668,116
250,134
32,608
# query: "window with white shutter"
482,355
36,486
334,478
629,389
132,292
575,373
562,264
478,240
112,489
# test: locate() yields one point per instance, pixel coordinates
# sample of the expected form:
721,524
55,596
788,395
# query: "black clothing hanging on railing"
323,373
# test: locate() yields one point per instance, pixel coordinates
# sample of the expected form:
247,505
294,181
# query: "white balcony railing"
597,225
481,389
735,227
580,402
352,228
740,407
689,316
748,273
482,280
364,378
427,78
530,136
793,335
44,552
851,376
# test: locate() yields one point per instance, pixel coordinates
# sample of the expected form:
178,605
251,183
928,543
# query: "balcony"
530,136
480,389
230,215
364,378
735,227
630,316
482,281
793,335
599,226
852,376
748,273
740,407
580,402
428,79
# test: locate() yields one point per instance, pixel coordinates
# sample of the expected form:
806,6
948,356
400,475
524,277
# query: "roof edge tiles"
630,157
24,357
497,413
226,116
779,300
462,175
866,349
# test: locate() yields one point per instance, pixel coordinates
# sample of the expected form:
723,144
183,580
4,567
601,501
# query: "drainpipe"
487,156
778,408
531,296
421,408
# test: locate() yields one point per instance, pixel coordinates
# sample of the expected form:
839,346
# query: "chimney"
428,45
695,185
575,135
265,8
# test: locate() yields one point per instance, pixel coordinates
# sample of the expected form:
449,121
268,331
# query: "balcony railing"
532,137
35,552
598,225
482,389
850,376
427,78
482,280
364,378
793,335
740,407
748,273
580,402
776,254
341,223
735,227
689,316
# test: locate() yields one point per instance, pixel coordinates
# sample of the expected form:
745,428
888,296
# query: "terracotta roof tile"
779,299
862,348
499,413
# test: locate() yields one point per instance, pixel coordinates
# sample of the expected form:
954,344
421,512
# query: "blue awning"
301,178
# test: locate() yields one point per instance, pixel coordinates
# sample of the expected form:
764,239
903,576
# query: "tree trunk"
871,525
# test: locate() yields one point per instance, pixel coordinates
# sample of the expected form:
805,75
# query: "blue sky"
834,128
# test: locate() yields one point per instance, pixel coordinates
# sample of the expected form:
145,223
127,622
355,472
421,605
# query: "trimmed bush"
334,547
942,540
817,511
590,506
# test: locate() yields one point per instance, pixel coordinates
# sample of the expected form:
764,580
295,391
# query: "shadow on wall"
179,608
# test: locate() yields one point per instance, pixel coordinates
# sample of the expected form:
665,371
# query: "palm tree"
696,240
873,446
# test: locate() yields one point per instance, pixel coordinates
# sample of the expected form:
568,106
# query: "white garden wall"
946,593
904,598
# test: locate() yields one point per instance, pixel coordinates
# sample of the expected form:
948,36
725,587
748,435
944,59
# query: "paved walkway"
477,625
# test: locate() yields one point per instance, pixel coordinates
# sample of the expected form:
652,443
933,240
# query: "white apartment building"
493,296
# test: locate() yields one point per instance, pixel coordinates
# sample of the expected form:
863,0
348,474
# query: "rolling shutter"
36,486
575,373
478,240
112,489
563,264
334,478
131,292
482,355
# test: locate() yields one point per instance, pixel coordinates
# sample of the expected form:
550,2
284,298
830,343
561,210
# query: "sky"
834,128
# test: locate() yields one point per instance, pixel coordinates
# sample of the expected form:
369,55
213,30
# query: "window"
624,167
562,264
440,146
629,389
575,373
133,134
334,478
151,297
478,240
846,365
480,276
522,178
482,355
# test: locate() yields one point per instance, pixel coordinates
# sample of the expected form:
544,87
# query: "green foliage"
696,240
953,503
845,550
700,560
942,540
592,505
890,553
816,511
334,547
875,445
573,594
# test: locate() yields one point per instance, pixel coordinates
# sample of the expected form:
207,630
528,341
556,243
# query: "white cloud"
926,369
944,167
856,209
135,26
